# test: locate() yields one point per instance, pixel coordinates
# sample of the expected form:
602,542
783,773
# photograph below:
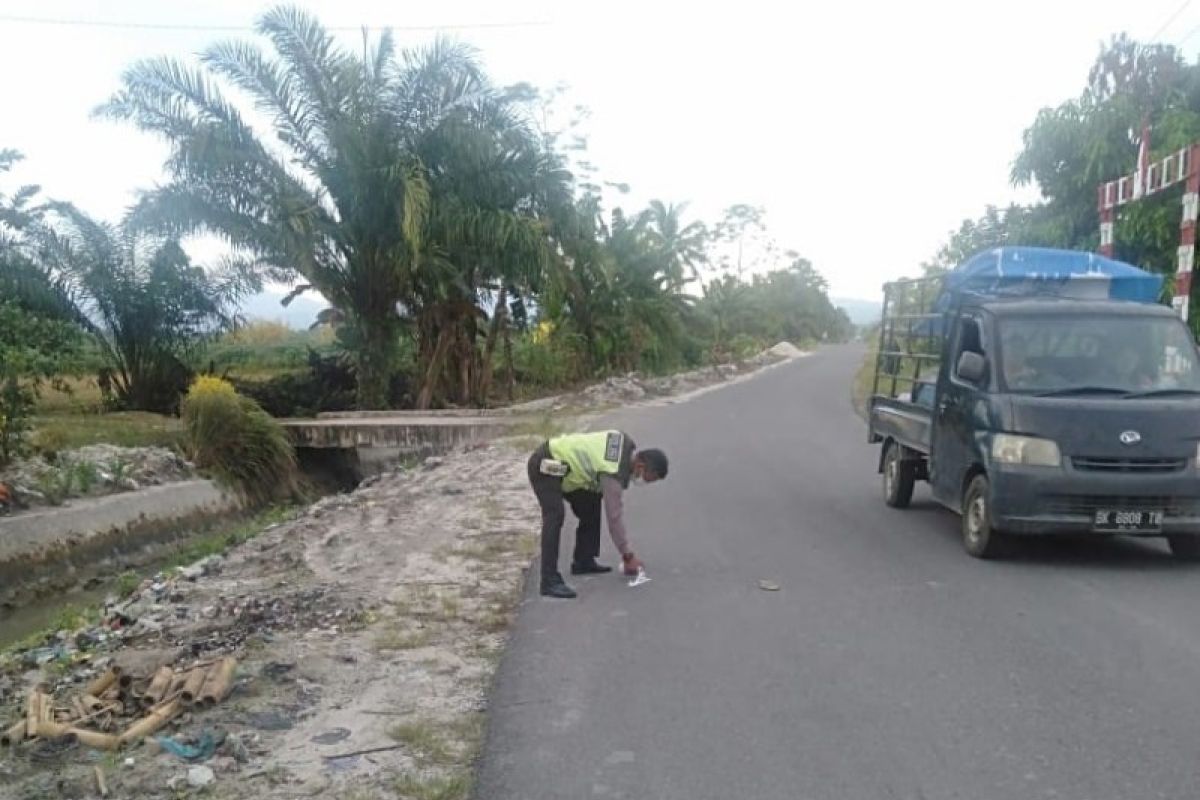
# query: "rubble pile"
91,471
634,387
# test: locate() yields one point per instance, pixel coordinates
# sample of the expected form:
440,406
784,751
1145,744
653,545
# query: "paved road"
890,665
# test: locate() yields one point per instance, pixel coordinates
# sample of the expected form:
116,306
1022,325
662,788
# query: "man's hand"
633,564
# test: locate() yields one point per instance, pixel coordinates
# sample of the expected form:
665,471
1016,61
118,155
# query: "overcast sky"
867,130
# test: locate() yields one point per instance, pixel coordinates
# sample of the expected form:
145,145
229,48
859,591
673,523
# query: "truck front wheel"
898,477
979,537
1185,548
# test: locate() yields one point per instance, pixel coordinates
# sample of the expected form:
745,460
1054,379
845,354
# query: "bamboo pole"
33,713
101,684
194,683
159,685
219,682
100,741
150,723
100,784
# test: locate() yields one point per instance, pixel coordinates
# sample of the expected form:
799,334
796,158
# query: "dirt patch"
373,621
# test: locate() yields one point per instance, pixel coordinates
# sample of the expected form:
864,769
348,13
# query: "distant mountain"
861,312
300,314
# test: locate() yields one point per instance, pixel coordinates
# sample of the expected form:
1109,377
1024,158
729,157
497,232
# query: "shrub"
328,384
239,443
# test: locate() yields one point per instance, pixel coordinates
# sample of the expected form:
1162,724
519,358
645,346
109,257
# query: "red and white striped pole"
1187,233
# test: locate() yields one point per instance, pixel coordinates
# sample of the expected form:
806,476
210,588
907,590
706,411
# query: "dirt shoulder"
366,631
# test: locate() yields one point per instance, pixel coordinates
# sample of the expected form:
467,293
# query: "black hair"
655,461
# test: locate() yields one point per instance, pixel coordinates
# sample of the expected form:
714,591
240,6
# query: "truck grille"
1137,465
1081,505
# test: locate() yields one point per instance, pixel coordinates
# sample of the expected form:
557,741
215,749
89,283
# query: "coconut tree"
683,248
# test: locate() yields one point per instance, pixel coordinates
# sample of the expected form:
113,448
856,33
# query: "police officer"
588,470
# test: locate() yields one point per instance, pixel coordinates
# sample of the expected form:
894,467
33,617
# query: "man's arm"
614,511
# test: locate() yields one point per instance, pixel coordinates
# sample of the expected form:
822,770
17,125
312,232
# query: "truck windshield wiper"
1165,393
1074,390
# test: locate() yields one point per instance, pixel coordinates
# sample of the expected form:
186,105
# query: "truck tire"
1185,548
980,539
899,477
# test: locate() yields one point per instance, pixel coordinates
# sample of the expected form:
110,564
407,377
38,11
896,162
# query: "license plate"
1119,521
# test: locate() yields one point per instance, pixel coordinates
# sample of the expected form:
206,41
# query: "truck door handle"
942,406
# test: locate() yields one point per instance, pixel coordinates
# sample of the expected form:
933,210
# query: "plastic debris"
202,750
768,586
640,578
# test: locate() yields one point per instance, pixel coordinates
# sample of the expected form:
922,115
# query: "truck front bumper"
1039,500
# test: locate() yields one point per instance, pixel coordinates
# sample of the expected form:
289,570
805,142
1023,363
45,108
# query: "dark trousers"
585,505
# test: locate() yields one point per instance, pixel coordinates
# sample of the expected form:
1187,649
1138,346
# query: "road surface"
889,665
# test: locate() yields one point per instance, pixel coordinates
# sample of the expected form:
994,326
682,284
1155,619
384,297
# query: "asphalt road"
889,665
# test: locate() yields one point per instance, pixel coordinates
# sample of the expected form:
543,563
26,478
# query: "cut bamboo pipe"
103,682
47,708
14,735
158,687
150,723
192,686
33,713
218,683
77,705
93,702
100,741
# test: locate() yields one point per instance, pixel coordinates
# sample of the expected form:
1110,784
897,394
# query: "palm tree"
335,194
683,248
400,186
140,299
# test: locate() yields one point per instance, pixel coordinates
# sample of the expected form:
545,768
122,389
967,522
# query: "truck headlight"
1028,450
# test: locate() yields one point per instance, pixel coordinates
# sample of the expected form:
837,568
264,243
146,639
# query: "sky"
867,130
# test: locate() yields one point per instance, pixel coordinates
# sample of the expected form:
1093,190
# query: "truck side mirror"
972,367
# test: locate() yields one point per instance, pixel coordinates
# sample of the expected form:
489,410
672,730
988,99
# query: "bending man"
588,470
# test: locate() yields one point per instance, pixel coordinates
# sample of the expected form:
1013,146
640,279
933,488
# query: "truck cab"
1042,414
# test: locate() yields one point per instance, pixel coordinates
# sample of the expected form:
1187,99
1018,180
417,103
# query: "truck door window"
970,340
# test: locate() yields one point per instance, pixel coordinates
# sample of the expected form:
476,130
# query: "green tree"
141,300
333,194
33,350
404,187
682,247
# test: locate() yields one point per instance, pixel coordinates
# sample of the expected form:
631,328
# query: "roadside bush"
328,384
239,443
546,361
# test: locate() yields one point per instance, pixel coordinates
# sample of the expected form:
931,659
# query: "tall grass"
239,443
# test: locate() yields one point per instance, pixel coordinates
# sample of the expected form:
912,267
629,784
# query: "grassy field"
65,431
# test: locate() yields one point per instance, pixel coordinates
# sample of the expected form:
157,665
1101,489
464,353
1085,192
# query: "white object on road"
640,579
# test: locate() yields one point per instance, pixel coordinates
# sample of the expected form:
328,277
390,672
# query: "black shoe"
557,589
591,568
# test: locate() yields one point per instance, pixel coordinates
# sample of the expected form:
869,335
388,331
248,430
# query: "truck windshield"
1107,355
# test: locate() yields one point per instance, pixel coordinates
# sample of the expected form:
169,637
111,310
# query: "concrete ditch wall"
65,528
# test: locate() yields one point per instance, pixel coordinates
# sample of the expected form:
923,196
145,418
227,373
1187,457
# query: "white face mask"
638,480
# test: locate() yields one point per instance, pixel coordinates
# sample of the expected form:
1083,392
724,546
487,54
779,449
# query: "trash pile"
90,471
118,709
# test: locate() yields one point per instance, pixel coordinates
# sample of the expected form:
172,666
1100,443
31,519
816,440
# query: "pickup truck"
1034,413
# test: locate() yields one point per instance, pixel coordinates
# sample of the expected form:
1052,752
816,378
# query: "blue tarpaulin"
1043,271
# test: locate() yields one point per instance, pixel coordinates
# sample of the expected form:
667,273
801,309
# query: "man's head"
650,465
